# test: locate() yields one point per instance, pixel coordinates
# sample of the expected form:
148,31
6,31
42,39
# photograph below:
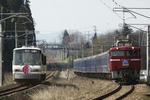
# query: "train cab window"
117,53
133,53
124,44
27,57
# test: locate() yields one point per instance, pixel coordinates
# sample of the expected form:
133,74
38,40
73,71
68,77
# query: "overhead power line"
130,11
110,9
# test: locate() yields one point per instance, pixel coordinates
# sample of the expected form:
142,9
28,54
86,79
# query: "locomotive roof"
24,47
125,48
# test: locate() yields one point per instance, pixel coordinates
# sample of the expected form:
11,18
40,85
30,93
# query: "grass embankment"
8,79
76,88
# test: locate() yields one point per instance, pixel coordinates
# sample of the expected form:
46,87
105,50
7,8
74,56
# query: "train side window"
117,53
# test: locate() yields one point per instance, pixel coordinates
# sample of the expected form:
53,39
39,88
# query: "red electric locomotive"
125,61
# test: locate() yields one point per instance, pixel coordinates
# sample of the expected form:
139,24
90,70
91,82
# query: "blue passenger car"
93,64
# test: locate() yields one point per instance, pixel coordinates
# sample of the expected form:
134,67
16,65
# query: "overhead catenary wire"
110,9
131,11
124,10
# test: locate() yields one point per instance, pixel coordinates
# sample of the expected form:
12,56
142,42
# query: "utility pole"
140,38
1,51
16,36
92,48
147,60
123,17
95,29
26,38
82,47
1,60
95,32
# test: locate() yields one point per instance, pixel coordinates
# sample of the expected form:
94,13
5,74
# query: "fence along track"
106,96
20,87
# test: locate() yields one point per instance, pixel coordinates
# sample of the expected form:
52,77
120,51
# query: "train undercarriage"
126,75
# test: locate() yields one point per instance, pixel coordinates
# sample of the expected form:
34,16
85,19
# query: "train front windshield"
27,57
117,53
125,53
133,53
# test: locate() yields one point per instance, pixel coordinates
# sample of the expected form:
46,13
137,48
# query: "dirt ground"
73,88
142,92
82,88
68,86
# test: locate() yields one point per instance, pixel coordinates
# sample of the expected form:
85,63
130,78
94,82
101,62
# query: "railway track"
21,87
119,93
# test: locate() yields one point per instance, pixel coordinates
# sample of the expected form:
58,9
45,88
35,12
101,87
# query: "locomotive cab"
125,62
29,63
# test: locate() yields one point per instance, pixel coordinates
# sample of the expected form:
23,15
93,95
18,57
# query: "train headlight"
132,47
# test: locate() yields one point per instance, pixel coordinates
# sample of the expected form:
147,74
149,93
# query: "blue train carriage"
102,63
78,65
98,64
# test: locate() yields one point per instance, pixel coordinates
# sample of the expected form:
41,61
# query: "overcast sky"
53,16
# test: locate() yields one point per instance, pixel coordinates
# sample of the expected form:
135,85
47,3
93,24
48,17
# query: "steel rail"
20,87
107,95
126,94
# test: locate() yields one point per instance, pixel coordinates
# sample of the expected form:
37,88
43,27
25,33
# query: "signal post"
148,58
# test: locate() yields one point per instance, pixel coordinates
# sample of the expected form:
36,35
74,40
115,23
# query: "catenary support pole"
1,83
16,36
26,38
147,60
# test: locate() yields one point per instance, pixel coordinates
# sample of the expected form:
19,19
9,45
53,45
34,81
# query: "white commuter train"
29,63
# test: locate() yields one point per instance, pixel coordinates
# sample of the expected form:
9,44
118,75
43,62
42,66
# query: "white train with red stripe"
29,63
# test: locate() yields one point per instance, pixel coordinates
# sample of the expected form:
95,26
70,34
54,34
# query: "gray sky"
53,16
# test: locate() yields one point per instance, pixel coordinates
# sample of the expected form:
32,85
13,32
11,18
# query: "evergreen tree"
66,38
8,27
95,36
126,30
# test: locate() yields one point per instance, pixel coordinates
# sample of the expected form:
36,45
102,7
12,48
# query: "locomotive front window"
124,44
27,57
133,53
117,53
